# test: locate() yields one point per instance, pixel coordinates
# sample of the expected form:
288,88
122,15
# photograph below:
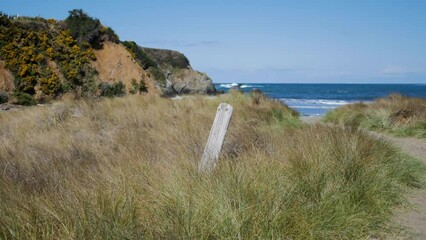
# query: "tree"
84,28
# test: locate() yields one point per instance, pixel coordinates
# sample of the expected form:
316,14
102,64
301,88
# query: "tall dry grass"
126,168
395,114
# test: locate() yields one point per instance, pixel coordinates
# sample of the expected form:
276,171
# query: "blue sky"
363,41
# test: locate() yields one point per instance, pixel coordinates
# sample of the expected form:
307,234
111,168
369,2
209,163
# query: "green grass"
127,168
397,115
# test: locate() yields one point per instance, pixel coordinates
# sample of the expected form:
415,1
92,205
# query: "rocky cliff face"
180,78
188,81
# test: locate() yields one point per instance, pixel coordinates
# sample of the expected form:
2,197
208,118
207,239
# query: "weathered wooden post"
216,138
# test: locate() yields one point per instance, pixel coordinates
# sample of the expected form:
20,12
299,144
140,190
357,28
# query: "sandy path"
413,219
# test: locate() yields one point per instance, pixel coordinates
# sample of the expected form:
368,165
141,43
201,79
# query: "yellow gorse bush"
27,51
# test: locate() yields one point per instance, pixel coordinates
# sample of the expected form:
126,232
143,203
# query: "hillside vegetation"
44,56
395,114
127,168
44,59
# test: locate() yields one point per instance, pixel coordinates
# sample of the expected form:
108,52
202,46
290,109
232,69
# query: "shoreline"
313,119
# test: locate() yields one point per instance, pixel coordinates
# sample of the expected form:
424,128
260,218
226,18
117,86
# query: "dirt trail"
413,219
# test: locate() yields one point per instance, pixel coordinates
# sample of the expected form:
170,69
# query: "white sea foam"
314,107
293,101
229,85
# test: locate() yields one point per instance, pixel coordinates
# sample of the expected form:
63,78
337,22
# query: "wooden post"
216,138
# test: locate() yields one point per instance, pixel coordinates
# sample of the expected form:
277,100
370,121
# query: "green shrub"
168,58
138,87
107,34
135,87
4,97
142,87
84,28
137,53
180,61
111,90
24,99
158,75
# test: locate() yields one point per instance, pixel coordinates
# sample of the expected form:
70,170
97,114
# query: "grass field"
127,168
395,114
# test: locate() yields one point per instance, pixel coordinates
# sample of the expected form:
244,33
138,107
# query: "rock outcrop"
179,75
188,81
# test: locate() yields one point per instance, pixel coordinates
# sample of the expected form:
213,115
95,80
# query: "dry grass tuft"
396,114
126,168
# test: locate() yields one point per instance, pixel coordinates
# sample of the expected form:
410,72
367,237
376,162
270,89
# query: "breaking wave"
303,102
238,85
229,85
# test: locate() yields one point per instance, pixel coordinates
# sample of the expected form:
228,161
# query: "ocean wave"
229,85
314,107
315,101
238,85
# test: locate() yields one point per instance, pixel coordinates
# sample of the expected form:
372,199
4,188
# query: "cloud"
182,43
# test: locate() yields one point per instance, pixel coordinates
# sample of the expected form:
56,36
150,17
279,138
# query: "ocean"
318,99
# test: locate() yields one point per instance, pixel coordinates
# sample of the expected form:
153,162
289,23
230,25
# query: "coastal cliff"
47,59
179,75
